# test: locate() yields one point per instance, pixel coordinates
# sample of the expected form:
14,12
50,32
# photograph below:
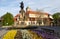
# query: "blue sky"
50,6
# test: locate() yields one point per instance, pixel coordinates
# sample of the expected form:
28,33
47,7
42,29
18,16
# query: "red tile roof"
17,15
32,12
35,12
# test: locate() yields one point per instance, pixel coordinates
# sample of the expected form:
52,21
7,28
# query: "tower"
28,8
22,12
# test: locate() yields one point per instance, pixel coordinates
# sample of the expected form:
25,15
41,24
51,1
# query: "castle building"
1,21
31,17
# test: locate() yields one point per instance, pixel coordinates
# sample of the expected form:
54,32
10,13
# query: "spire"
22,12
28,8
22,5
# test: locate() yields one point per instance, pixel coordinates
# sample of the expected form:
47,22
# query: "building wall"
32,18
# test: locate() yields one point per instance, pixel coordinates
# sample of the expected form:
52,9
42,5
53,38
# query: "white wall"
33,15
30,22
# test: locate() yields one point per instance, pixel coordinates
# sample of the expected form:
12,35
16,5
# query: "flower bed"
35,36
10,34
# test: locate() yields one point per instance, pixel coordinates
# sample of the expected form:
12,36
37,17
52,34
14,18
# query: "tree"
7,19
56,17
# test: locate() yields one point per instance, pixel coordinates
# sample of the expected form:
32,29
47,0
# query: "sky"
12,6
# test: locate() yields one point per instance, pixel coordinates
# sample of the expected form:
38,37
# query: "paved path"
2,32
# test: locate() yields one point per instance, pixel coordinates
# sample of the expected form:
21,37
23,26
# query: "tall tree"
7,19
56,17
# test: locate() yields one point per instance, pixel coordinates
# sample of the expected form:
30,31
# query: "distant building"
33,18
1,22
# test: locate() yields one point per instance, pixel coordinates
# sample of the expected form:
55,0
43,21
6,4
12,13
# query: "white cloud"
31,3
13,10
13,5
3,0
